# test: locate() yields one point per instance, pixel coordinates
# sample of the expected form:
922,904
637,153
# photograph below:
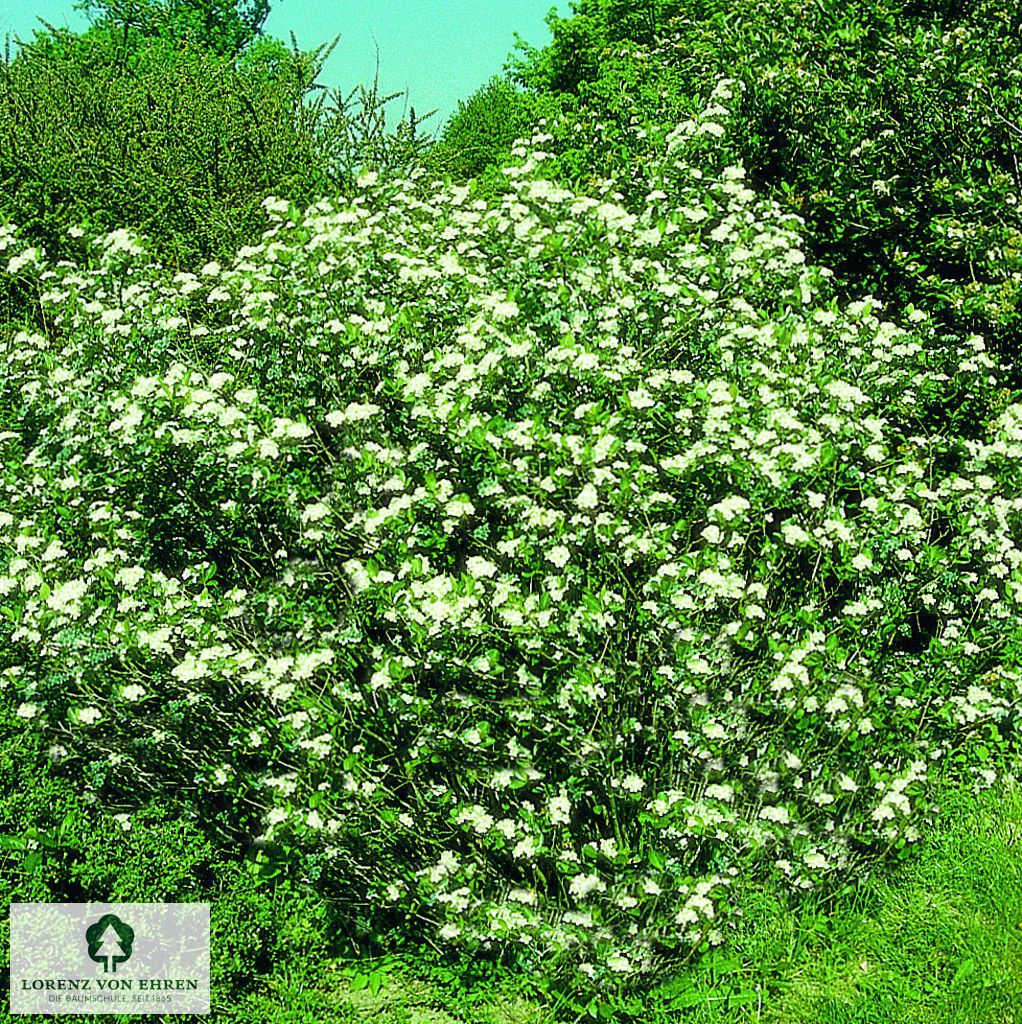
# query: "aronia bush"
550,573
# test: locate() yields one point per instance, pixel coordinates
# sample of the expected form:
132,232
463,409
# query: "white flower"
559,810
711,534
641,399
298,430
847,394
67,595
588,497
89,715
559,556
314,513
459,507
274,205
130,578
480,568
525,848
190,669
54,552
632,784
582,885
793,533
352,413
731,507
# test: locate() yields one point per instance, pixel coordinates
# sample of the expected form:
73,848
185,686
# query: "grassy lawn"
938,940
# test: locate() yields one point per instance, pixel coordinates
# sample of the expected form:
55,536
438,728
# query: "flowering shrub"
555,572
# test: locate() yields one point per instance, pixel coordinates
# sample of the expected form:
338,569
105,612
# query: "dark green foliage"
582,42
108,130
486,125
895,141
57,844
572,58
221,26
603,129
891,127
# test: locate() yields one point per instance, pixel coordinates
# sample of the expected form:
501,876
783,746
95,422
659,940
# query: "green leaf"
741,999
688,999
966,970
726,965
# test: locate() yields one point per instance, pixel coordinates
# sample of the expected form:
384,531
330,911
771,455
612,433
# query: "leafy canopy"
221,26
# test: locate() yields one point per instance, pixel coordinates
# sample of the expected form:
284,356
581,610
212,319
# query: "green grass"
937,940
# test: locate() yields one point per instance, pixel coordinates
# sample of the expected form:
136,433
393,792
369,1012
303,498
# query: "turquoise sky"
440,51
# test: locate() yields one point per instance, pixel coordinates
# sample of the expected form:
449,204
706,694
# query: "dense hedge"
544,563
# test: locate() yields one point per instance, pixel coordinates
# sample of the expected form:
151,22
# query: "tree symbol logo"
109,942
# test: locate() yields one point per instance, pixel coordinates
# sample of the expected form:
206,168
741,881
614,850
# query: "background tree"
483,128
179,134
112,129
221,26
